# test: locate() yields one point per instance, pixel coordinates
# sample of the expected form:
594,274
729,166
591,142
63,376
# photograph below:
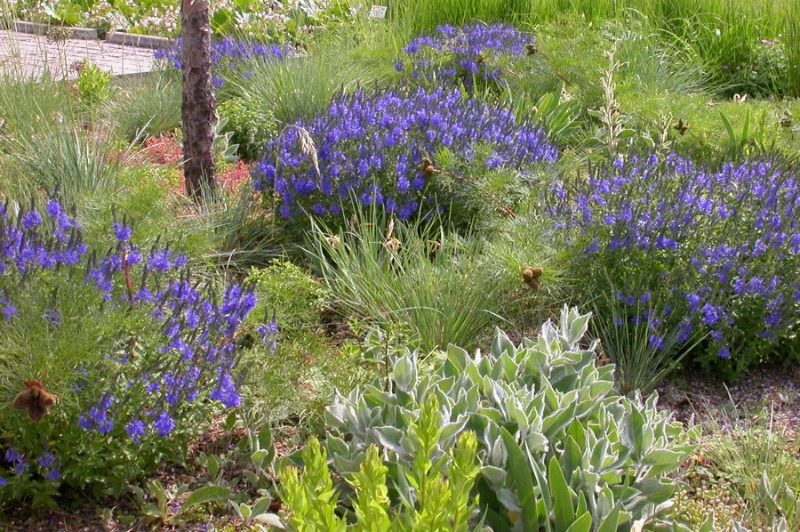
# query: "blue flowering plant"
404,152
718,249
113,359
228,57
475,55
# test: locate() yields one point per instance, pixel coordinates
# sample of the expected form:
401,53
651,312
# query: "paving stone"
31,55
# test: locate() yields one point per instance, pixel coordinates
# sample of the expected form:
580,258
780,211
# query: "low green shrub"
251,126
93,84
146,106
761,468
297,88
288,291
558,447
65,160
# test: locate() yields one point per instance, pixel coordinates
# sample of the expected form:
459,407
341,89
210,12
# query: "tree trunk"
198,107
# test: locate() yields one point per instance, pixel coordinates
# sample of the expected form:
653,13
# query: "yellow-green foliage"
441,501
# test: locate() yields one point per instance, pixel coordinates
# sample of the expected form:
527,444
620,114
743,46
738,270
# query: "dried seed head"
393,244
390,230
427,167
530,274
35,400
333,240
786,119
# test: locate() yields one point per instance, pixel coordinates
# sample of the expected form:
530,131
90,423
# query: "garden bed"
316,341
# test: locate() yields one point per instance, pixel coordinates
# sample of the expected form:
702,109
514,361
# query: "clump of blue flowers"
194,357
169,361
721,249
470,54
383,149
227,56
31,243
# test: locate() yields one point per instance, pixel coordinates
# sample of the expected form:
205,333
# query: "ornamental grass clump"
400,151
112,359
719,250
475,55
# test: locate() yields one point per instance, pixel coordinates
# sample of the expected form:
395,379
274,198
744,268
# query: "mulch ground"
770,395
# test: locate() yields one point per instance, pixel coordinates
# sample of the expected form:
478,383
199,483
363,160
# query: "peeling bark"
198,105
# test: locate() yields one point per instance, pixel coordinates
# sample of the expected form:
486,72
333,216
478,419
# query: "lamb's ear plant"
558,447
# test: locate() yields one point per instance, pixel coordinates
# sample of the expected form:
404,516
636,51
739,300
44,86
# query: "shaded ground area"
31,55
772,393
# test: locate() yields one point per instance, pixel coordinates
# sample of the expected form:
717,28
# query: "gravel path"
30,55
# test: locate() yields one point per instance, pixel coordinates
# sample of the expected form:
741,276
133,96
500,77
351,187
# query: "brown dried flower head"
36,400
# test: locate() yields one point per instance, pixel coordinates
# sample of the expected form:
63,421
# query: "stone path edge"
139,41
90,34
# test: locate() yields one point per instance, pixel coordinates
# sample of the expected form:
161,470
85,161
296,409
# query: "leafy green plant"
438,486
559,448
557,116
288,290
780,501
235,476
298,88
27,105
93,84
250,126
611,131
240,231
158,510
752,140
416,274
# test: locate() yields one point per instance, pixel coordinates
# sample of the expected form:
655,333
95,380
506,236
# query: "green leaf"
265,438
230,421
271,520
708,524
577,328
261,505
494,475
520,473
581,524
611,522
245,511
205,495
663,457
259,456
501,344
212,466
562,499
